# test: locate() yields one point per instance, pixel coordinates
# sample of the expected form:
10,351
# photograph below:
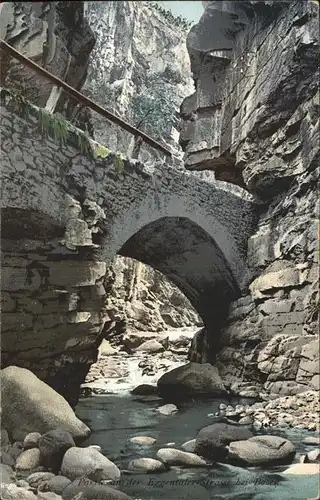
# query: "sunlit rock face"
254,121
139,69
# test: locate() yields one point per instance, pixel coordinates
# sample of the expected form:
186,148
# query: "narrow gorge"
151,293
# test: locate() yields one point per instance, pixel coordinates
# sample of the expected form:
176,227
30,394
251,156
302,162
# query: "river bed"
116,418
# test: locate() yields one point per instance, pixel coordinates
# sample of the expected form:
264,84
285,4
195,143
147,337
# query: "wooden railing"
60,84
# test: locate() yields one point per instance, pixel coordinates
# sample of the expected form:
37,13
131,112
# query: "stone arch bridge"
65,216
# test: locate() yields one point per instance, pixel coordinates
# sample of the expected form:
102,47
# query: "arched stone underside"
66,215
190,258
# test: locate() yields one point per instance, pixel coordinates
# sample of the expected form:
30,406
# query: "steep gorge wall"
140,70
254,121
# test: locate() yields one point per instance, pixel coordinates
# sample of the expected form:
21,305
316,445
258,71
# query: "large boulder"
145,390
189,446
78,462
262,450
191,380
57,484
132,340
212,441
31,440
30,405
28,460
52,446
92,491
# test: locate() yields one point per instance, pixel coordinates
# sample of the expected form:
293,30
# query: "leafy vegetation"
153,112
179,21
57,127
119,165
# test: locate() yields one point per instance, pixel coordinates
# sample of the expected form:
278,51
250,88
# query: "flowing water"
115,418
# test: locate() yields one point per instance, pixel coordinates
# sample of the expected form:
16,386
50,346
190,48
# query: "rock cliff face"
254,121
139,69
55,35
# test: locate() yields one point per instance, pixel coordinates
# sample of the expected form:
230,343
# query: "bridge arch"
195,233
189,257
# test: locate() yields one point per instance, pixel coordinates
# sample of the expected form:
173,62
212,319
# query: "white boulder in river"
143,440
168,409
30,405
78,462
146,465
171,456
262,450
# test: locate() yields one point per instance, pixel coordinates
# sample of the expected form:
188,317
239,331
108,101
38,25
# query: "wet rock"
302,469
81,461
171,456
262,450
52,446
36,479
189,446
150,346
31,440
28,460
23,412
191,380
92,491
311,440
147,465
143,440
57,484
314,455
212,440
132,340
168,409
145,390
105,349
245,420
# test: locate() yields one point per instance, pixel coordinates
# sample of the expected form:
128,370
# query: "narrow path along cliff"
159,313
